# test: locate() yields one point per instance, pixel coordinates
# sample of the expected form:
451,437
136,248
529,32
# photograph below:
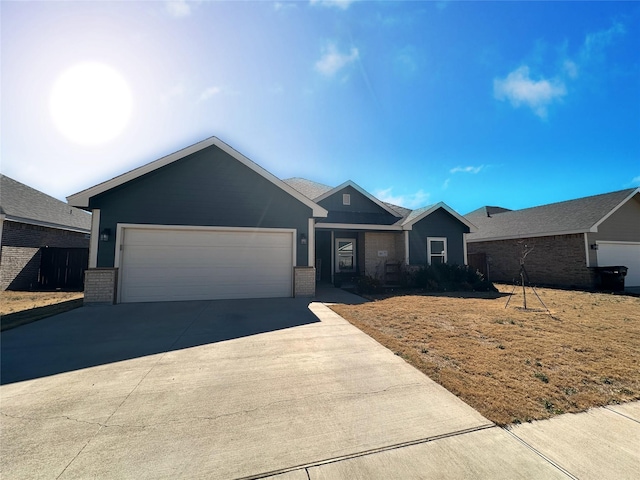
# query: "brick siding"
557,260
100,286
392,242
304,281
20,253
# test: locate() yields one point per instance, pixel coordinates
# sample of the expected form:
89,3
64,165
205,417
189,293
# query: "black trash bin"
612,278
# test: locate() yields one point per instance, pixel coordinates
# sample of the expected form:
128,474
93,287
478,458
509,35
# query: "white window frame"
346,199
337,257
444,253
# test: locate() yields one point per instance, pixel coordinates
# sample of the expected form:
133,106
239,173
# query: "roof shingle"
22,203
571,216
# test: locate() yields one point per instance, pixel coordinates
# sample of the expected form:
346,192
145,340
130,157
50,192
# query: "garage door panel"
184,292
625,254
160,264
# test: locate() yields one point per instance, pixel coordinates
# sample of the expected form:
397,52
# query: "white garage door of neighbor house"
625,254
208,264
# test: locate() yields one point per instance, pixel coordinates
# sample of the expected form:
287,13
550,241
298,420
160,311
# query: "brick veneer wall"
555,260
100,286
392,242
304,281
20,253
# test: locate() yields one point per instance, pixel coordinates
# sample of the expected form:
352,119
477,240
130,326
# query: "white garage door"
207,264
626,254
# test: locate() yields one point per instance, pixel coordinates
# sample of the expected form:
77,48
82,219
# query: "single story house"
567,240
44,243
208,223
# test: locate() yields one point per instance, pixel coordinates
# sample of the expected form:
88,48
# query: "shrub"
368,284
444,277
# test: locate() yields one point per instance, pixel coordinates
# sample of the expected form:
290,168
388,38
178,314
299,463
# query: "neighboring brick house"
37,228
567,240
208,223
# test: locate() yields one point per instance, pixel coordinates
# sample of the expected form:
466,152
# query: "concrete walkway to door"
275,388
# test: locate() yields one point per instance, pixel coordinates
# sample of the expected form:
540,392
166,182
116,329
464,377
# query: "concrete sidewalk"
273,388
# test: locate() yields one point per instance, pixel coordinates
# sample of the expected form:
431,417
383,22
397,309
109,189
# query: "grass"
20,308
515,365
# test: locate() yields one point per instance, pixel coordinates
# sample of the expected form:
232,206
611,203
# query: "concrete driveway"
274,388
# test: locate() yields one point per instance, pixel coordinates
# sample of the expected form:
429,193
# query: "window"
345,254
346,199
436,250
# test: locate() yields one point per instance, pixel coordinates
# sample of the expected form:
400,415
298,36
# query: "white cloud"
520,89
445,185
594,43
208,93
467,169
341,4
283,6
411,200
178,8
332,60
538,94
636,181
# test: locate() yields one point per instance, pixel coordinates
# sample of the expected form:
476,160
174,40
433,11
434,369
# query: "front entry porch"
343,255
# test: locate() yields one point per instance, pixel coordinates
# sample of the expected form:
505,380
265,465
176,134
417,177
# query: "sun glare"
90,103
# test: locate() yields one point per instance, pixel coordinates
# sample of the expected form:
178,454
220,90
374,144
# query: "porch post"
406,247
311,244
93,239
464,248
333,241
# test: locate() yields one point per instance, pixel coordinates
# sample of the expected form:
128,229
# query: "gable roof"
563,218
406,217
81,199
313,190
416,215
21,203
360,190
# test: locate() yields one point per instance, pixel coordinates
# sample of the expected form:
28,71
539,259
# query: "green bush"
444,277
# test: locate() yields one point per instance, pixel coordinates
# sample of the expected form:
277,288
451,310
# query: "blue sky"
471,103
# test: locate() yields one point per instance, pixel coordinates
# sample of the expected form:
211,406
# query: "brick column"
304,279
100,286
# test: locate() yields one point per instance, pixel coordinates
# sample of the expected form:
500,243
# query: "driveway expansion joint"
540,454
364,453
607,407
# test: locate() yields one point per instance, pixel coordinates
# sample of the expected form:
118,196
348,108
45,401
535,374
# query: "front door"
345,255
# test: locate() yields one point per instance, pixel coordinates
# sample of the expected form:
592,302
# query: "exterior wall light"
594,246
303,239
105,234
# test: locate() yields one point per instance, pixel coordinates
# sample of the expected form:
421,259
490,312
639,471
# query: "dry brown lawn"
515,365
11,302
19,308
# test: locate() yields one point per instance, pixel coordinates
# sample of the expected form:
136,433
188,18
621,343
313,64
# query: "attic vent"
346,199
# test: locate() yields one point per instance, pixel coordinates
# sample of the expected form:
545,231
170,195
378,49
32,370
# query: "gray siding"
623,225
361,211
208,188
438,224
